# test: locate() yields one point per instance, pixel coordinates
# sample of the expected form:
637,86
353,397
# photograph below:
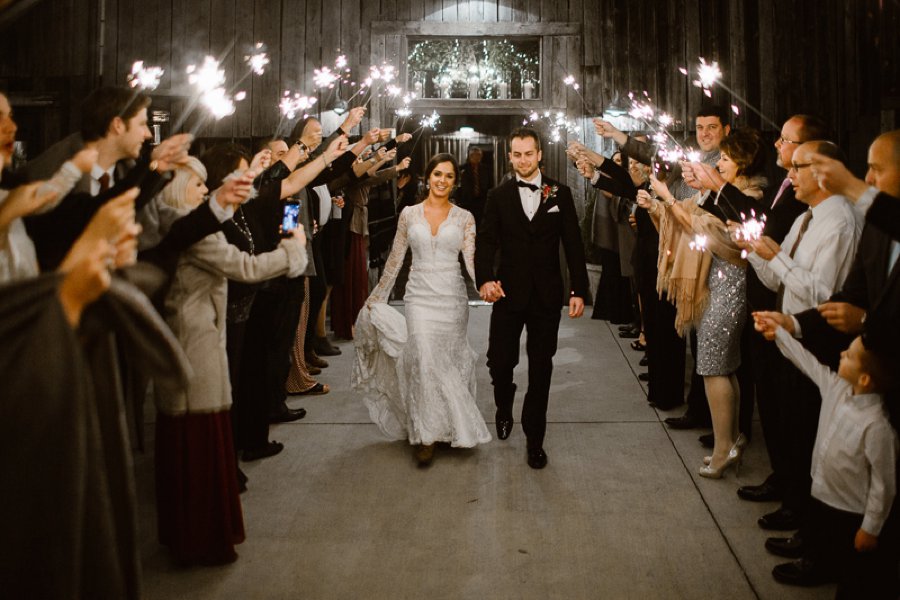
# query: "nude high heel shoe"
740,443
735,457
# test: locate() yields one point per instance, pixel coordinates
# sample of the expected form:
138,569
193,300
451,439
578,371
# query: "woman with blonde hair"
199,510
701,270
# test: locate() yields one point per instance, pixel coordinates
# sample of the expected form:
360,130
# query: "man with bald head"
804,270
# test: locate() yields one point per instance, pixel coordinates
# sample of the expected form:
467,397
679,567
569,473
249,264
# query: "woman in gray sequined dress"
703,270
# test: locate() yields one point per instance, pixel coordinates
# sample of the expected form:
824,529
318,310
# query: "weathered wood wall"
830,57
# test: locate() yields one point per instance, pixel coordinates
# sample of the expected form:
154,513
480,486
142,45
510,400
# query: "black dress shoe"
270,449
537,459
765,492
801,572
629,334
504,427
707,440
788,547
288,415
685,421
629,327
783,519
644,376
644,361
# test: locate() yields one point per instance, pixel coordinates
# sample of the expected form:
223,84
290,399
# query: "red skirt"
197,499
349,298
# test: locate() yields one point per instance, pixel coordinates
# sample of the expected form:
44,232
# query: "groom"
525,219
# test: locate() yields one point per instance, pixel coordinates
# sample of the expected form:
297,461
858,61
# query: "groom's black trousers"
542,328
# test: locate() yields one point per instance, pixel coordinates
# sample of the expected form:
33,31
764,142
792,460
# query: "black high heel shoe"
638,346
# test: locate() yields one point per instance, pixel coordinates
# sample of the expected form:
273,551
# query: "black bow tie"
525,184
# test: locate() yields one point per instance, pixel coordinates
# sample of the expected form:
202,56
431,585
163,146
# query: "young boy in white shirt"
853,469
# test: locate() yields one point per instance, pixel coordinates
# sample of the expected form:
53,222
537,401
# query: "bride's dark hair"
438,159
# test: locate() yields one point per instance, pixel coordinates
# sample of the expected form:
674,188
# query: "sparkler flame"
699,243
144,78
290,105
258,59
324,77
430,121
707,75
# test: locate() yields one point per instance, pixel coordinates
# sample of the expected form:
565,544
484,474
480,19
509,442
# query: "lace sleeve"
394,262
468,248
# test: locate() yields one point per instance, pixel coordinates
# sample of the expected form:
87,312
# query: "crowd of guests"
723,261
205,275
202,273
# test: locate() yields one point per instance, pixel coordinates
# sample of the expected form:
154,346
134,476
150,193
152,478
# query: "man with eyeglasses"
873,283
780,208
803,271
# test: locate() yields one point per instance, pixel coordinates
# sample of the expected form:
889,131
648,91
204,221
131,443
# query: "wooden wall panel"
844,66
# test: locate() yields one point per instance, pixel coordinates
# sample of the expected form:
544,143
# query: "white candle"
527,90
417,86
473,88
503,90
444,85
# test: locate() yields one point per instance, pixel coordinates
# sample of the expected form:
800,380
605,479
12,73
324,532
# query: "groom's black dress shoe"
504,427
537,459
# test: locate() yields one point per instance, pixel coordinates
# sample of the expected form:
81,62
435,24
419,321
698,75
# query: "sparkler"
144,78
205,79
141,79
699,243
709,75
258,59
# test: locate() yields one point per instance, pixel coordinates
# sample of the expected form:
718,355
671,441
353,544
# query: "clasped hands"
491,291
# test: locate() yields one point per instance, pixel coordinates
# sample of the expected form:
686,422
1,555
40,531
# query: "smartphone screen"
291,218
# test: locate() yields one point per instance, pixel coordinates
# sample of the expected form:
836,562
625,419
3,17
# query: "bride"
418,374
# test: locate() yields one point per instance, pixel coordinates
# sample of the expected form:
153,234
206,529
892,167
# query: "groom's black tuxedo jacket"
529,250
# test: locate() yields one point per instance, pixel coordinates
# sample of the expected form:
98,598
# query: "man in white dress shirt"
805,270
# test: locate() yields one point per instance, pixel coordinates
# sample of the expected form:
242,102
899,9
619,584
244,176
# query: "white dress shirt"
531,199
854,459
97,173
822,259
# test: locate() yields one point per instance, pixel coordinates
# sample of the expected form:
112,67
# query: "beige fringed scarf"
683,271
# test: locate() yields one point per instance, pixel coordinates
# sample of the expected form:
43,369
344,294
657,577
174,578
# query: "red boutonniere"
548,192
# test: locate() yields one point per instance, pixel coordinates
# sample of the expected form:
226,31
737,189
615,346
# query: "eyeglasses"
797,167
784,140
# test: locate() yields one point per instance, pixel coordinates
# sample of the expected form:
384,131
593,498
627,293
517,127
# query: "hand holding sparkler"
335,149
403,137
172,152
707,177
661,190
384,135
261,161
371,136
403,164
765,247
354,117
234,191
767,322
585,167
834,177
644,199
608,131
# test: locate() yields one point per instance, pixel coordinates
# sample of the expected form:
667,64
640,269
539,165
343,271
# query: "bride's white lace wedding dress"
417,374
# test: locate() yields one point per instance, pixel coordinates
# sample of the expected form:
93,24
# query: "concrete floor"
618,513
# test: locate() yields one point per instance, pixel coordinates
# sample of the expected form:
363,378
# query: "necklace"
245,229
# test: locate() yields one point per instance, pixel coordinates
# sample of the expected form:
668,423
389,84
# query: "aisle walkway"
618,513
